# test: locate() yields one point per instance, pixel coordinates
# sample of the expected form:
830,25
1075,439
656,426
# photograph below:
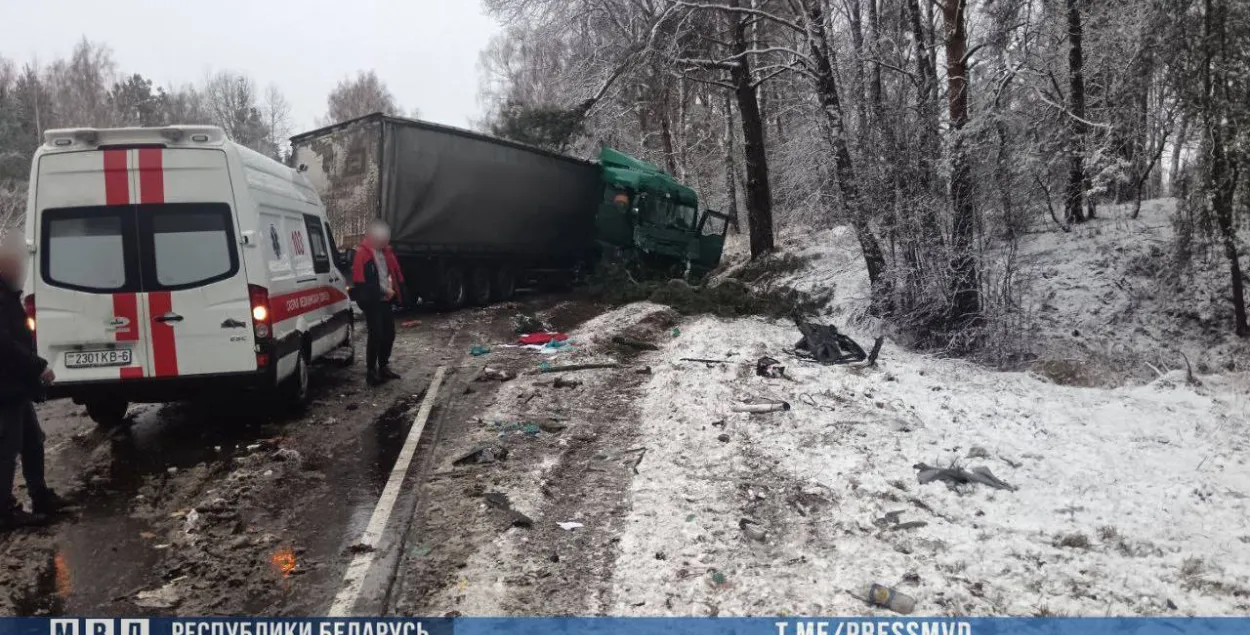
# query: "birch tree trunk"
731,167
844,166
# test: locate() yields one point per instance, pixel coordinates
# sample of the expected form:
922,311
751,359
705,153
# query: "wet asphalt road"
225,507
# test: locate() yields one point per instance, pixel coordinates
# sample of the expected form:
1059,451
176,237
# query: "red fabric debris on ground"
541,338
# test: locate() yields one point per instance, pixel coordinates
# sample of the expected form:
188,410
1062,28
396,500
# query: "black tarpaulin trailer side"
445,190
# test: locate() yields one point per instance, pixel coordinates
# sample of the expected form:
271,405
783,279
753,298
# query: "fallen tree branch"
1189,372
876,350
575,367
871,361
705,361
635,344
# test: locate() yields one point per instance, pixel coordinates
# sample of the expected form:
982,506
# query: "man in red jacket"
376,281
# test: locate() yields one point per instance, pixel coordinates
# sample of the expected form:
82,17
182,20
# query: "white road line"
358,570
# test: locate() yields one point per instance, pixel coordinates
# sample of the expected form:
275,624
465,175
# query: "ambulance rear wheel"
347,348
108,413
294,389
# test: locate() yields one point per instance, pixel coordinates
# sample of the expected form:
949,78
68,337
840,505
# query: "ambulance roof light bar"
172,135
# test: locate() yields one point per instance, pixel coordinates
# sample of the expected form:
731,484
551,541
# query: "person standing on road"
23,376
376,281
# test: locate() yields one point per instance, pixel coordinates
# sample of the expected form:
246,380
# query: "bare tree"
184,105
359,96
1215,54
231,100
80,88
759,197
1074,202
276,118
731,168
965,296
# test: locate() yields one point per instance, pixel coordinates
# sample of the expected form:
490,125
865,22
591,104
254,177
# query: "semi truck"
475,217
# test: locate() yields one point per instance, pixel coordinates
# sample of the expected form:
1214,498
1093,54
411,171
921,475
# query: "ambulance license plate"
98,359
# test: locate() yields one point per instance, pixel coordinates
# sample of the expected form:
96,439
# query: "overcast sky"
425,50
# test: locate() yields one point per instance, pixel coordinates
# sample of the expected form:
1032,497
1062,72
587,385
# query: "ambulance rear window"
85,249
192,244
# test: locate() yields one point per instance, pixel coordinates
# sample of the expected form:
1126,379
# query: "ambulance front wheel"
108,413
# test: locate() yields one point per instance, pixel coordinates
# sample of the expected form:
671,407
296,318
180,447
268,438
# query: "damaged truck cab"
652,221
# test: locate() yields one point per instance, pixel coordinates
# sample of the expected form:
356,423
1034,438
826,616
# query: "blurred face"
380,236
12,262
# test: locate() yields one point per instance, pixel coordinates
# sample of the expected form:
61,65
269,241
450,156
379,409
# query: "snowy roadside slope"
1130,501
1101,294
1097,306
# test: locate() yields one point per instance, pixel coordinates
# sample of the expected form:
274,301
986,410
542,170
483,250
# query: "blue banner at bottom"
628,626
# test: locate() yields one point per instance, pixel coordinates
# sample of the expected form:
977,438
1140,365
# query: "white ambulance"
171,263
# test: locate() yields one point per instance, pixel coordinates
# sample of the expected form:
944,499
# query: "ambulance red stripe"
116,178
151,175
291,305
164,339
125,305
164,342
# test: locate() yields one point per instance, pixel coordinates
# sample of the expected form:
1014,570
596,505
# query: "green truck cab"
653,222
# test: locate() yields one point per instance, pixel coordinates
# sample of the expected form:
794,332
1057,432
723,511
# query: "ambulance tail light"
29,305
259,297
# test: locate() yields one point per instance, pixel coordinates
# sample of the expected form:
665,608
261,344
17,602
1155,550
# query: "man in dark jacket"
23,376
376,281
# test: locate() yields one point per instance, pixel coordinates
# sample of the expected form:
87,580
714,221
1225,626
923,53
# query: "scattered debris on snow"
762,408
885,597
495,374
488,453
953,476
165,597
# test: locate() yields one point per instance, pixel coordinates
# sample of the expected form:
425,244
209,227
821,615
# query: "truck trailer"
473,217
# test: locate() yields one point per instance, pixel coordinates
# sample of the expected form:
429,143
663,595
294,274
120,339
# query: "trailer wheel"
557,282
452,290
480,285
504,287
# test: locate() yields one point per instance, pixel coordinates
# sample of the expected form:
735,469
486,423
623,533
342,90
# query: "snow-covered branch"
751,11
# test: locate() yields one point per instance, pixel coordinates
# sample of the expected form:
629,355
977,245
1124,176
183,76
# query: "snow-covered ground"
1103,297
1131,497
1128,499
